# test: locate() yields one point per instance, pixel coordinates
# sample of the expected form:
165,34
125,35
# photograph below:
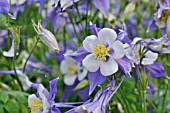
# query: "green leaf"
11,106
1,109
20,96
81,85
4,96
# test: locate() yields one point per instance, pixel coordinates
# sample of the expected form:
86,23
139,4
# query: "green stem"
166,91
30,55
16,75
124,99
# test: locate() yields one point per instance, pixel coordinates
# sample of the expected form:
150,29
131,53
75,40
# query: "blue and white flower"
138,54
103,50
72,70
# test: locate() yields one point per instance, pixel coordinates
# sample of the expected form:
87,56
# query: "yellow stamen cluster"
36,105
137,54
163,45
100,52
72,69
165,14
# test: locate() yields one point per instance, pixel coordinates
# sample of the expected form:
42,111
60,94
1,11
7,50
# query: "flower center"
137,54
163,45
100,52
72,69
36,105
165,14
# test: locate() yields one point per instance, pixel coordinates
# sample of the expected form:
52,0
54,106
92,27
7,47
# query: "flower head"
72,70
138,54
161,45
103,50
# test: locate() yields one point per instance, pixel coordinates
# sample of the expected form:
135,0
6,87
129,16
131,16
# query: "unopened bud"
46,36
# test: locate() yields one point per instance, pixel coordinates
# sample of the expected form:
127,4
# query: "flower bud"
46,36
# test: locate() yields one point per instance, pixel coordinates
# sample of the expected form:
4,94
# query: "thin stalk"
16,75
166,91
30,55
124,99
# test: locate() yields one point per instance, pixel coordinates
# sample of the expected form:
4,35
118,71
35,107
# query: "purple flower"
160,17
101,99
161,45
5,8
72,70
43,101
103,50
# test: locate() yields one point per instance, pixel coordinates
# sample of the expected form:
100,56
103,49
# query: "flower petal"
91,63
118,48
82,75
64,67
107,36
90,42
31,98
150,58
109,67
69,79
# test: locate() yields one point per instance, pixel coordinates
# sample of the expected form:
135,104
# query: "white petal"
26,83
109,67
31,98
98,110
64,67
82,75
150,58
90,42
91,63
107,35
10,53
69,79
118,48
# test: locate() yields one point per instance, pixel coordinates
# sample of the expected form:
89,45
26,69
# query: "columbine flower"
72,70
160,17
43,102
161,45
101,99
139,54
103,50
5,8
47,37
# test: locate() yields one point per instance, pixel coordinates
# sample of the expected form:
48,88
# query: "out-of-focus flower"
101,99
5,8
72,70
160,17
26,83
103,50
44,102
161,45
17,2
47,37
139,54
10,53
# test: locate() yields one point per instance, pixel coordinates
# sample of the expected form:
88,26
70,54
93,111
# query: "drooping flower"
47,37
72,70
43,101
101,99
103,50
161,45
138,54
